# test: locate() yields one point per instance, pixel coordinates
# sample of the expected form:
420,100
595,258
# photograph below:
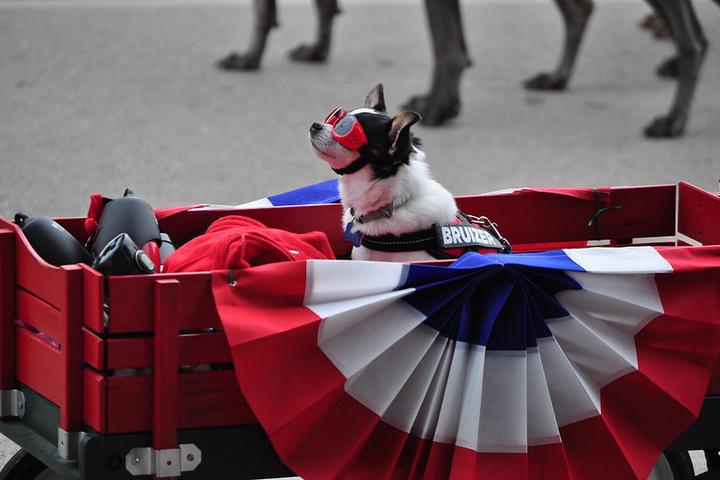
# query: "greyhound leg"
576,14
265,20
669,67
318,51
689,44
451,58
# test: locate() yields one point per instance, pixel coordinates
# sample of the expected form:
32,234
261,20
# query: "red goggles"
347,130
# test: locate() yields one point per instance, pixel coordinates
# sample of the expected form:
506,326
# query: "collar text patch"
457,236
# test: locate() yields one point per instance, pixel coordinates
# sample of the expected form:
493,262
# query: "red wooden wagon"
65,330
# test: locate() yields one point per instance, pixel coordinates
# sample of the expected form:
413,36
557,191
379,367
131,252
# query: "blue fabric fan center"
499,301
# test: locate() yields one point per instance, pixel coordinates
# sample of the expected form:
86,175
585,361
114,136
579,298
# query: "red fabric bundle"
235,242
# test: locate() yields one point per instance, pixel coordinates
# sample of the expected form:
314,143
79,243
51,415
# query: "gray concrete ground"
95,97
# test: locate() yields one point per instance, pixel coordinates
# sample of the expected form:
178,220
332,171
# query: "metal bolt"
190,457
136,461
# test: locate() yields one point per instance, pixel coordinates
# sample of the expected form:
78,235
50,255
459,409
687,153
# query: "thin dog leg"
576,14
318,51
265,20
669,67
451,58
688,38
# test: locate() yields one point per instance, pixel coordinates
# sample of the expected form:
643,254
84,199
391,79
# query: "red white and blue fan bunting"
569,364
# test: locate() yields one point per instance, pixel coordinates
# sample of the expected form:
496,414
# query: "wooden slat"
71,410
699,214
206,400
40,315
32,272
74,225
39,366
530,216
132,304
7,309
165,361
95,400
194,349
94,296
93,350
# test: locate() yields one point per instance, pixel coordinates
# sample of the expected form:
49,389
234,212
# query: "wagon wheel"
673,465
23,466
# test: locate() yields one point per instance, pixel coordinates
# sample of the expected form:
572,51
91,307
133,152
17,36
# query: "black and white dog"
385,185
393,209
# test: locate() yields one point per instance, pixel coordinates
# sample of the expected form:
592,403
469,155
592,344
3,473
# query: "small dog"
385,185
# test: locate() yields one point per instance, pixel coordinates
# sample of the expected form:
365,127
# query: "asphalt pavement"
99,96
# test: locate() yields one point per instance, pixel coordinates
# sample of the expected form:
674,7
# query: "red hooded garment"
236,242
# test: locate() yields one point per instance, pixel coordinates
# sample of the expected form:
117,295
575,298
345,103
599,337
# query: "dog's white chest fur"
419,203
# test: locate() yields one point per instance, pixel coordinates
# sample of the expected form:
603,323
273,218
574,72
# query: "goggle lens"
345,125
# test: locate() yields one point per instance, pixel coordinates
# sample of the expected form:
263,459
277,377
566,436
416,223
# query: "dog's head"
349,140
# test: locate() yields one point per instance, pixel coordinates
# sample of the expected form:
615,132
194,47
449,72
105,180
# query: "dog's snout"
316,127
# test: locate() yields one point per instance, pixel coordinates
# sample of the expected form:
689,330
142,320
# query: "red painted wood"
94,296
32,272
132,306
42,316
74,225
95,400
194,349
540,217
7,309
699,212
71,411
39,366
93,350
165,365
210,399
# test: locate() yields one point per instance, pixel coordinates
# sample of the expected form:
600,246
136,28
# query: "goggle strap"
353,167
366,156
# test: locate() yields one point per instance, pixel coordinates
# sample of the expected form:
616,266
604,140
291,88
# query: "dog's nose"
316,127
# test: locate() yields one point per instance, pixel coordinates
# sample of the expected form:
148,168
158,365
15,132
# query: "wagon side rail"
38,297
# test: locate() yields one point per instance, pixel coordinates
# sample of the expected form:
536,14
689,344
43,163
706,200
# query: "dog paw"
545,81
668,68
239,62
666,127
309,53
433,111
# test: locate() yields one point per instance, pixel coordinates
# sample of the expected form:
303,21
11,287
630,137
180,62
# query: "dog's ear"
375,99
400,131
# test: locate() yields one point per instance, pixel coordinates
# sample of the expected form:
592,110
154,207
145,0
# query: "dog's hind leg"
318,51
265,20
688,38
576,14
451,59
669,67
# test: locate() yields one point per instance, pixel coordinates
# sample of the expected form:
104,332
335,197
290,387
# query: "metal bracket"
12,403
170,462
69,444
